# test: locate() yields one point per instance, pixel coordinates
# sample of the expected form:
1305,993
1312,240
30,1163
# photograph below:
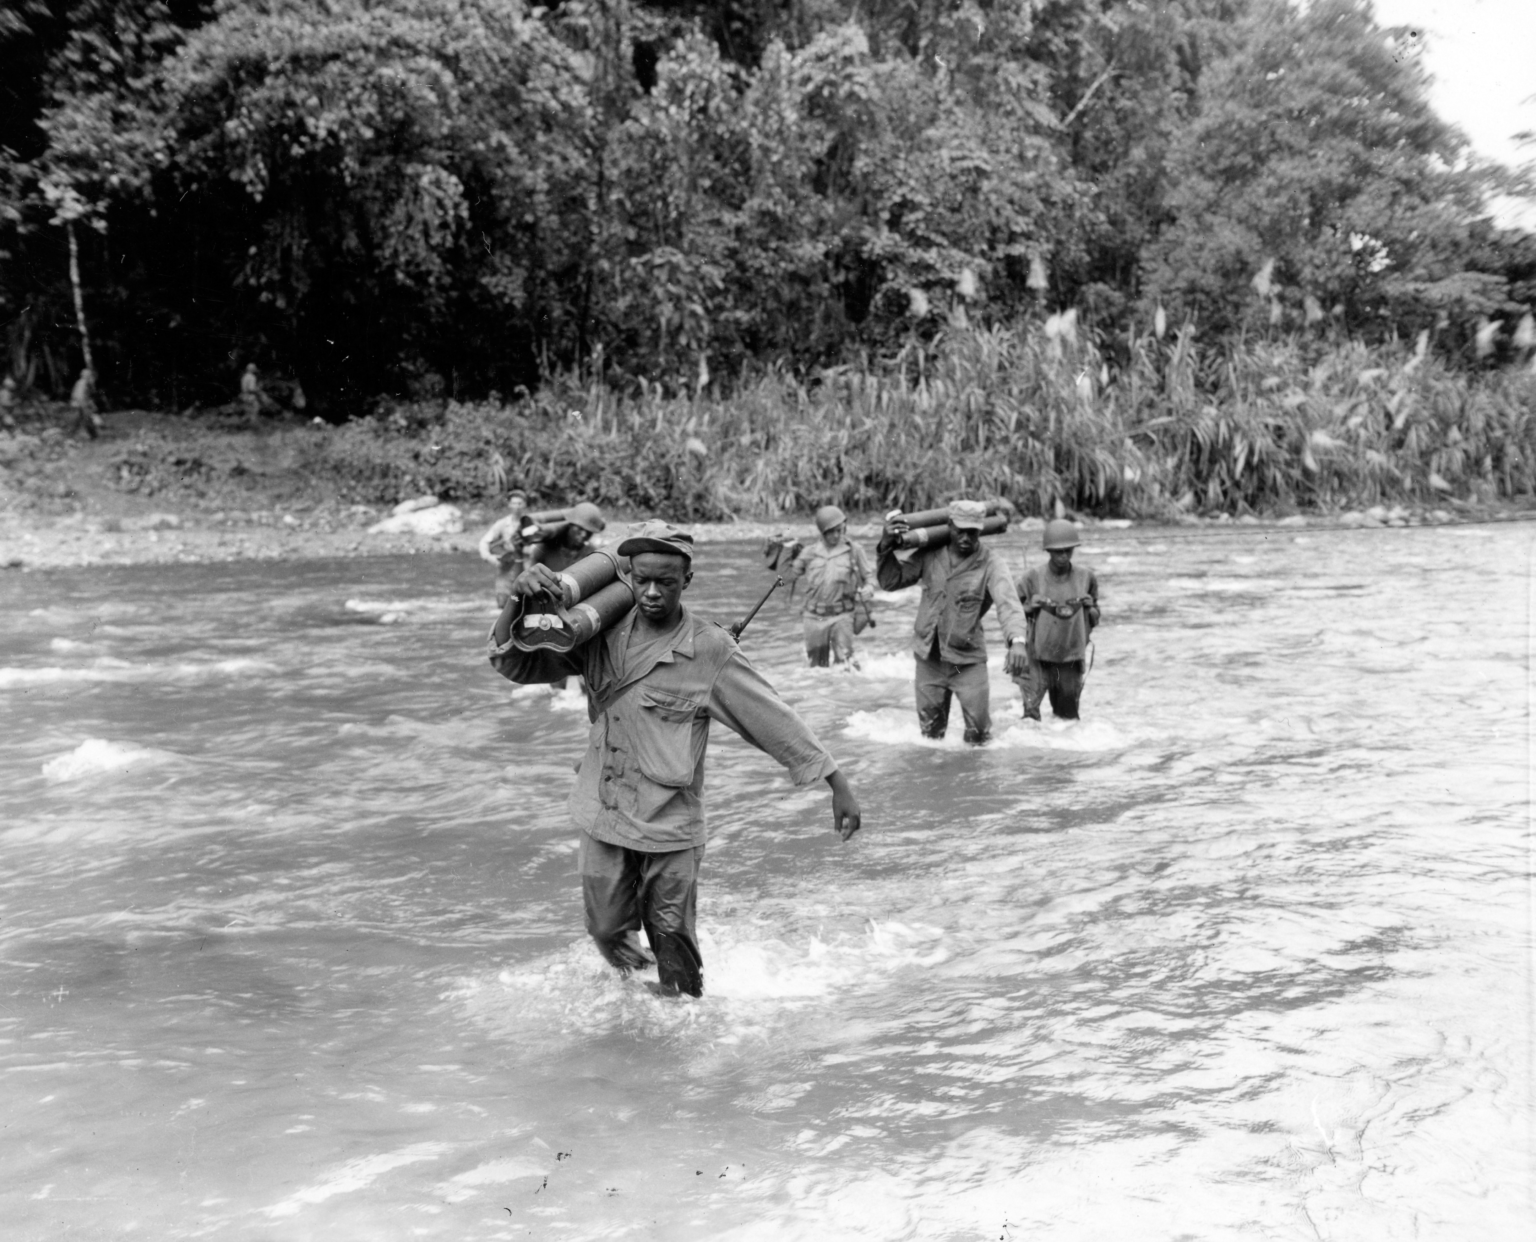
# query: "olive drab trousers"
828,639
1062,681
936,681
624,890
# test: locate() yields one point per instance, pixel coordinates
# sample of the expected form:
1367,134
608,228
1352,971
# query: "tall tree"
1316,159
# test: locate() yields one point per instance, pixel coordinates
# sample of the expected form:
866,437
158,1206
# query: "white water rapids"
291,944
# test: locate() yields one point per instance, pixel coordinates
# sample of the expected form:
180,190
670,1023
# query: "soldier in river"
961,580
570,545
502,545
656,680
837,581
1061,601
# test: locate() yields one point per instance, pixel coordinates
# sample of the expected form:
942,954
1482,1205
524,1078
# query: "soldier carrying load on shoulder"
961,580
837,581
567,543
658,678
1061,601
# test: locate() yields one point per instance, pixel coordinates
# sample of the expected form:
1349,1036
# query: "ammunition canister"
938,536
940,517
594,595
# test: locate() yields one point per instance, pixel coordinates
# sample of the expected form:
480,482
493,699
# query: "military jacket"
834,577
957,592
641,781
1052,638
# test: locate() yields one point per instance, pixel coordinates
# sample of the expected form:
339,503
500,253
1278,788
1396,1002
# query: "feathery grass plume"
1487,331
1264,279
1244,425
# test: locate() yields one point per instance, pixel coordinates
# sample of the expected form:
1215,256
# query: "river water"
291,946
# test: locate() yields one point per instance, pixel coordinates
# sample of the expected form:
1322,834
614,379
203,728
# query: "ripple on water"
297,946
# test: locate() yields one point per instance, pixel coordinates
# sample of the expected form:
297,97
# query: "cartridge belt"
828,610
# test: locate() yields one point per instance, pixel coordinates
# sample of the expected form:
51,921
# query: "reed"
1043,416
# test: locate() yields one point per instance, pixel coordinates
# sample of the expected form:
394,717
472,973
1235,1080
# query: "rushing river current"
291,942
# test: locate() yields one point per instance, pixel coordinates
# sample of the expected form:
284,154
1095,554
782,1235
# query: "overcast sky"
1482,54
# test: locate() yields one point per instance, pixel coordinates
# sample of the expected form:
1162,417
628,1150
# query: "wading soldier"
655,682
502,545
581,523
961,581
837,577
1062,603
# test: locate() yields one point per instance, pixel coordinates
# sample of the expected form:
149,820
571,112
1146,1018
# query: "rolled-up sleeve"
743,701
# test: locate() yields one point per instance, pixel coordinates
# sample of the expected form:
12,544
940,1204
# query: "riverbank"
109,532
68,502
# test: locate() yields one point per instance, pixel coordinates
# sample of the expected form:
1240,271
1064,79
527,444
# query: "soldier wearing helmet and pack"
837,580
1061,601
570,545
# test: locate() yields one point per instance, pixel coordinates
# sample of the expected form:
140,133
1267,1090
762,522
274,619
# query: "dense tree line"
459,196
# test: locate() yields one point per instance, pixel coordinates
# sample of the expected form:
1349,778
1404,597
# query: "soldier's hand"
1016,662
539,580
890,535
846,817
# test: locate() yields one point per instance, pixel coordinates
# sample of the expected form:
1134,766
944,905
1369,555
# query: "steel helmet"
829,516
1060,533
587,516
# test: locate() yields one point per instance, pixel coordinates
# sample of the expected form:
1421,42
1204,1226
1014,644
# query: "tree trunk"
74,282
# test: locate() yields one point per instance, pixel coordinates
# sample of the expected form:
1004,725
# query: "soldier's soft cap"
967,514
828,517
587,516
657,537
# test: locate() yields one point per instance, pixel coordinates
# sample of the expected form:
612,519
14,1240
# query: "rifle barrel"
741,625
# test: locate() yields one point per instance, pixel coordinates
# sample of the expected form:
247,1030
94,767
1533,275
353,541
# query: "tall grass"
1039,416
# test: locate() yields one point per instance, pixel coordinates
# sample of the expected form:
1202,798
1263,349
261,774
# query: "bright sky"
1482,54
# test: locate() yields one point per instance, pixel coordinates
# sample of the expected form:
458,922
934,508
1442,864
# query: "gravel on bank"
163,536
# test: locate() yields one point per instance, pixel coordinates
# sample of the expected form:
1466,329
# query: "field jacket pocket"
965,613
663,738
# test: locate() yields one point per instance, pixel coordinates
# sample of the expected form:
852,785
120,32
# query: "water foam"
108,669
886,666
893,726
751,981
96,756
570,698
357,1175
393,611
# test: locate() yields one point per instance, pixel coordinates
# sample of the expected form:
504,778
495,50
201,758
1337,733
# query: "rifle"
736,629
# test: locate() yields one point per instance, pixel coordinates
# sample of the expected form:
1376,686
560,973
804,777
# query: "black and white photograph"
767,620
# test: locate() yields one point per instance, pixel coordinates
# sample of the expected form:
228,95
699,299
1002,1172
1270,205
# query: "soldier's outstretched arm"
743,701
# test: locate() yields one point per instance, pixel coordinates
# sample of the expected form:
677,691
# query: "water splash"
99,757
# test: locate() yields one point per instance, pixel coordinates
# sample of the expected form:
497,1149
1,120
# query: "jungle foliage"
436,199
